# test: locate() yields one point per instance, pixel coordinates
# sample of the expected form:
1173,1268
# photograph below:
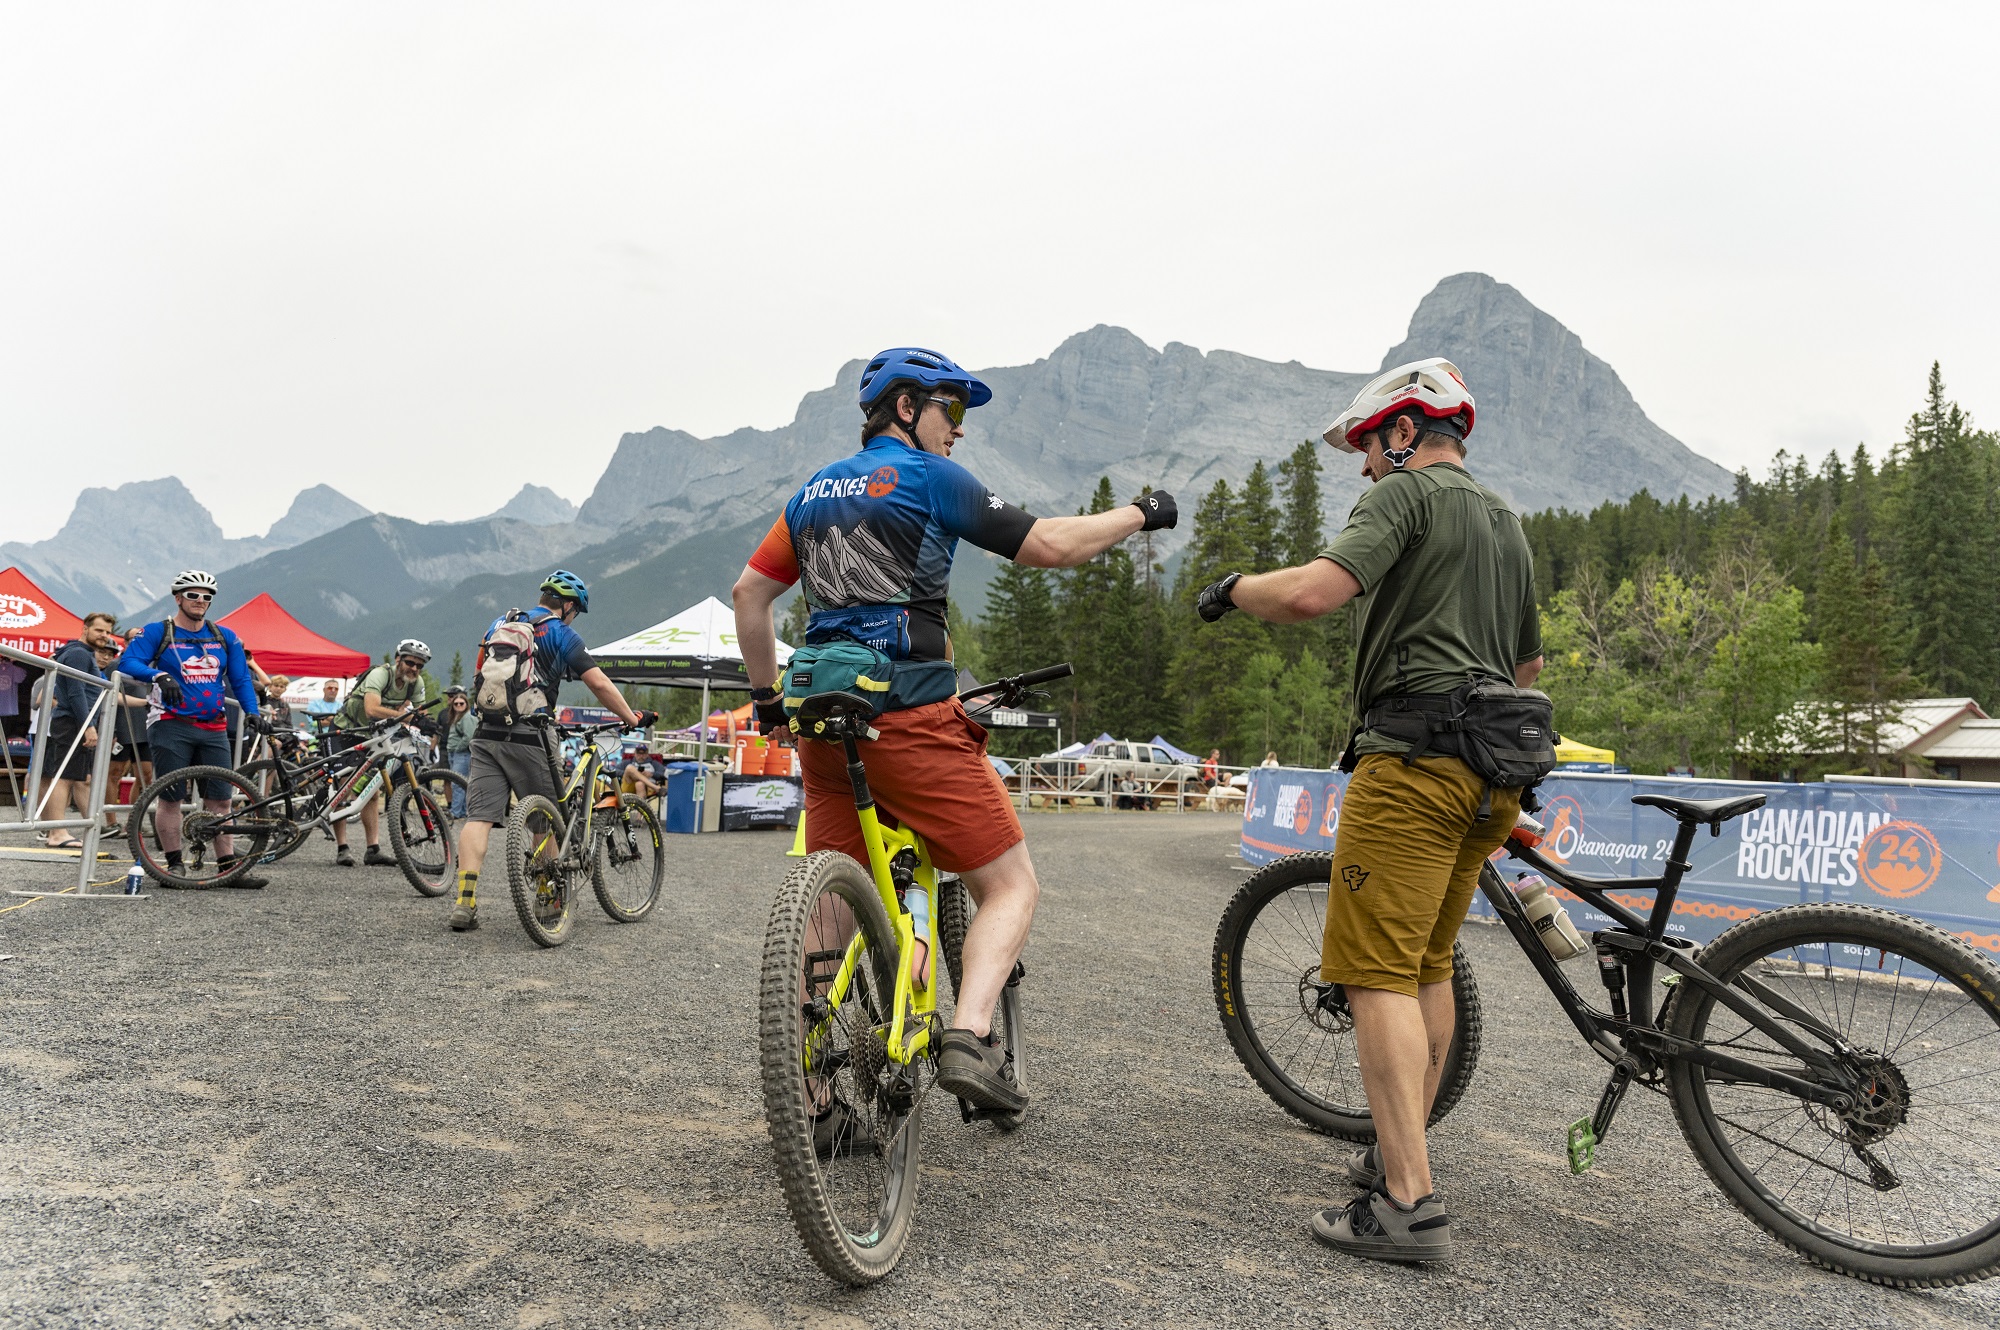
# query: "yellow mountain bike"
846,1038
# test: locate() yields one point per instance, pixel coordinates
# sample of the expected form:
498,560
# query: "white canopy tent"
694,649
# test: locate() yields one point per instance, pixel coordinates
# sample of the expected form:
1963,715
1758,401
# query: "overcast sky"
425,253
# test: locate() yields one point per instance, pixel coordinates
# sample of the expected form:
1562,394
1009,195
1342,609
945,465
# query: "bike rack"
92,825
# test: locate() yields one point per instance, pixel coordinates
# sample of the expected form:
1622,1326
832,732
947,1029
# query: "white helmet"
192,579
1432,386
410,646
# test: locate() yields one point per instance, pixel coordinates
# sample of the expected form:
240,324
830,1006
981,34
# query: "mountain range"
673,516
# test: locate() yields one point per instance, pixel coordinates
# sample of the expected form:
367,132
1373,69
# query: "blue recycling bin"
682,801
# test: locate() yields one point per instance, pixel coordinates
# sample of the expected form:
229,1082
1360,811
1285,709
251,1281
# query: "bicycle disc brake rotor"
1324,1004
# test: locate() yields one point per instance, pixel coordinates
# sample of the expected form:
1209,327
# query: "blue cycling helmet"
902,363
569,586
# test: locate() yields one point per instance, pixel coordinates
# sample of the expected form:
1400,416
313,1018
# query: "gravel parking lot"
313,1105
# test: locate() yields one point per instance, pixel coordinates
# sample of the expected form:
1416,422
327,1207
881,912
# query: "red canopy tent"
30,618
283,645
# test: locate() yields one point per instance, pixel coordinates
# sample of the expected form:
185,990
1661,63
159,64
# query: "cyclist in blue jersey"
192,665
513,750
871,539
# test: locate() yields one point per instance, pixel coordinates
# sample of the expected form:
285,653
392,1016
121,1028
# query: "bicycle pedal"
968,1113
1582,1146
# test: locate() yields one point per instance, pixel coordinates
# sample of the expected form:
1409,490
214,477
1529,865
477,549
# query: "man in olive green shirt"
1447,590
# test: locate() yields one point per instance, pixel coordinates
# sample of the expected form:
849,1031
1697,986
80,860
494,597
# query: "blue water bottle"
135,879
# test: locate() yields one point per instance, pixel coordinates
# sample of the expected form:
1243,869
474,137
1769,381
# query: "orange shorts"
927,772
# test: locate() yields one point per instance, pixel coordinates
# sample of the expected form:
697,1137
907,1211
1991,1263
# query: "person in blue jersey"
193,666
871,540
513,748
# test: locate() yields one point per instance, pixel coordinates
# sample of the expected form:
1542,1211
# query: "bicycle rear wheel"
541,878
1293,1033
955,911
420,835
629,862
201,863
291,826
1903,1186
844,1120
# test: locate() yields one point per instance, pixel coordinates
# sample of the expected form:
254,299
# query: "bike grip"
1043,675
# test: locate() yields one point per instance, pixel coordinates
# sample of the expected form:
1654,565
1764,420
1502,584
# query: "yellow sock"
468,885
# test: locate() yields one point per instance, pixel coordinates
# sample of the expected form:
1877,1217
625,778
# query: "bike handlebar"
1014,685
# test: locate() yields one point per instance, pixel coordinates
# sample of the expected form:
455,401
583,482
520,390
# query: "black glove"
1214,600
1159,510
771,715
646,719
170,688
261,723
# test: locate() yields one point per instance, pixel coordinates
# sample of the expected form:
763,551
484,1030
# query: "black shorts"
62,735
517,766
177,744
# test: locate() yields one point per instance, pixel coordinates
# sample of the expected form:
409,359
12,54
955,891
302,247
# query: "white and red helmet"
1432,386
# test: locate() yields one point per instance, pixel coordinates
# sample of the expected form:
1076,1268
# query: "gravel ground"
316,1106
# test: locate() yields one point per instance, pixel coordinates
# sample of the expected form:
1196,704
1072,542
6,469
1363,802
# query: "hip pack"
1507,735
886,628
509,690
847,666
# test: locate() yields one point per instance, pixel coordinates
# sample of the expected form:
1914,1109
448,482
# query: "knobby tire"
548,883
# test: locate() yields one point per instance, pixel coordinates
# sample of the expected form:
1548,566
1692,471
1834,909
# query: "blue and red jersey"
209,664
879,528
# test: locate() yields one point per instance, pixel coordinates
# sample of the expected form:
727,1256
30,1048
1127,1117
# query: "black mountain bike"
1834,1067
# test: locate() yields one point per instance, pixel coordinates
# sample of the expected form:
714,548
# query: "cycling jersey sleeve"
241,683
1379,528
570,650
970,511
774,557
136,662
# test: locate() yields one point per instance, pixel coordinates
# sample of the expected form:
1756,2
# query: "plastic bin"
680,805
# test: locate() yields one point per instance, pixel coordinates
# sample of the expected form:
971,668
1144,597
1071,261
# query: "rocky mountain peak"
538,505
314,512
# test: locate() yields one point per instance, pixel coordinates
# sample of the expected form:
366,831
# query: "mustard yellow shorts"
1406,858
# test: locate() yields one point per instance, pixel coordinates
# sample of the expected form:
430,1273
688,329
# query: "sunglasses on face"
203,596
953,408
413,663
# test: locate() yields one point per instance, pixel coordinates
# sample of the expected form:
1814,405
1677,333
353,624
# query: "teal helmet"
570,587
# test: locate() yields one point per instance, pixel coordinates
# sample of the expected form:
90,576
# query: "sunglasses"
412,662
203,596
953,408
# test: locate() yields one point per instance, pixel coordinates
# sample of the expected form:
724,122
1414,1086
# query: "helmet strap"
1399,457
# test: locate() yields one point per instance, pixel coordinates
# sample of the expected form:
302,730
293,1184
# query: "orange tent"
283,645
30,618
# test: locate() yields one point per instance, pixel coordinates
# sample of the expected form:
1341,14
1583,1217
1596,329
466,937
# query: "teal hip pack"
847,666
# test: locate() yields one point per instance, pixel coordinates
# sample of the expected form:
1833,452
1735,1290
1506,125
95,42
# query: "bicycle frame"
1636,1042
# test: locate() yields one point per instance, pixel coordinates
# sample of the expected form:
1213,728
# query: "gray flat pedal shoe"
979,1072
1364,1167
1376,1228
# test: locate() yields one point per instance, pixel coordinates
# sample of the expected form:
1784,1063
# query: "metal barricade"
103,716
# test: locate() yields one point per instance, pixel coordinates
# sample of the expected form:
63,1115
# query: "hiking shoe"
464,918
1364,1167
841,1131
1375,1226
376,859
979,1072
344,857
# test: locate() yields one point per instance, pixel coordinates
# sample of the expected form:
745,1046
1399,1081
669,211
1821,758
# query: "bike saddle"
1712,811
834,716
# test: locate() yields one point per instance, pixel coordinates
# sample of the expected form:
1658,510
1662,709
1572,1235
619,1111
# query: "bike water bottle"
918,902
135,879
1550,919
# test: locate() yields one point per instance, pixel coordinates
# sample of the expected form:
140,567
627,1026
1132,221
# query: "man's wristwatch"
1215,599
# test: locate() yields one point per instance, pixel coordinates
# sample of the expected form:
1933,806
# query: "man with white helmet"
191,664
1446,586
383,693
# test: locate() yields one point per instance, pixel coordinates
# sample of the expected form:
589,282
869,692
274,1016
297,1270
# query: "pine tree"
1863,677
1946,568
1301,529
1256,514
457,669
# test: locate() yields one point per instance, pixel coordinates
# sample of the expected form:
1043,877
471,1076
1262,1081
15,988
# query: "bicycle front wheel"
1902,1185
844,1119
1294,1033
540,876
955,911
199,859
629,861
420,835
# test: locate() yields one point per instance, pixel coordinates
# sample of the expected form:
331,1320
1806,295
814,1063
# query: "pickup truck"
1137,772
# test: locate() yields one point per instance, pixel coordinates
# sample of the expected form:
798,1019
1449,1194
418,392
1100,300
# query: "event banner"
1930,852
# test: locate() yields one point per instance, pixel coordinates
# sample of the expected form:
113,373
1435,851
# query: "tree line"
1730,634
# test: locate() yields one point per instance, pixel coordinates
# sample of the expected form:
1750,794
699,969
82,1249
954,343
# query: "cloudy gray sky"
427,252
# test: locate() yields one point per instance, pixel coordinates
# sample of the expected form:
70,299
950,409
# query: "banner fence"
1923,851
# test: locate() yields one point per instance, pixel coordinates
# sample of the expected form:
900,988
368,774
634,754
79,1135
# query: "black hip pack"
1507,735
